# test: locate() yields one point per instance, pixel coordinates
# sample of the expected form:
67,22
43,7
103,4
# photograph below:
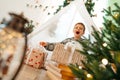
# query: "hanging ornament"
114,68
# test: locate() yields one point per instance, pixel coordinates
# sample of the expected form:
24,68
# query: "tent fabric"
60,25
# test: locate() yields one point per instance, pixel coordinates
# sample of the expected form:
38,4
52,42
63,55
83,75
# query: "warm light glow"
80,67
105,61
116,15
89,75
104,44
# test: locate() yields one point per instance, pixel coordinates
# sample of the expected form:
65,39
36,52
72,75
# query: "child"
78,31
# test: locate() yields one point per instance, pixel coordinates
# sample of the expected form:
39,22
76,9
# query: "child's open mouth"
77,32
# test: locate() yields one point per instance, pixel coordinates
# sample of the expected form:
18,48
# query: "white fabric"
54,30
73,45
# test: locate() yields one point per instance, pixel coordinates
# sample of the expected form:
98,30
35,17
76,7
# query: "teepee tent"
60,26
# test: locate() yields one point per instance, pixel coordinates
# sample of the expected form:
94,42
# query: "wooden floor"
29,73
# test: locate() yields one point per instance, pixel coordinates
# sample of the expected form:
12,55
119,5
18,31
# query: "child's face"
78,30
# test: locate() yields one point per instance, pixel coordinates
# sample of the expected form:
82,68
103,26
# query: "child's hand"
43,44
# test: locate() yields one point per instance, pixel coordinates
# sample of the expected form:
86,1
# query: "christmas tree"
103,54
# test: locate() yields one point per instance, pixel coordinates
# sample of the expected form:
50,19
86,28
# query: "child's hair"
81,24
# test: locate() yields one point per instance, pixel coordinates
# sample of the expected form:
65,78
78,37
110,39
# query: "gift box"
67,55
59,72
27,53
35,58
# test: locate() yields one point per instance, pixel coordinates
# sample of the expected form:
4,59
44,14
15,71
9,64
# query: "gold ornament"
117,16
113,66
89,77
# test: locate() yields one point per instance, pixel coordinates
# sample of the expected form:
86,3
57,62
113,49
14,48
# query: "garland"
89,6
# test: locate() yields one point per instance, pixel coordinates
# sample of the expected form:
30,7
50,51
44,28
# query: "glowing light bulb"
89,76
104,44
116,15
80,67
105,61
